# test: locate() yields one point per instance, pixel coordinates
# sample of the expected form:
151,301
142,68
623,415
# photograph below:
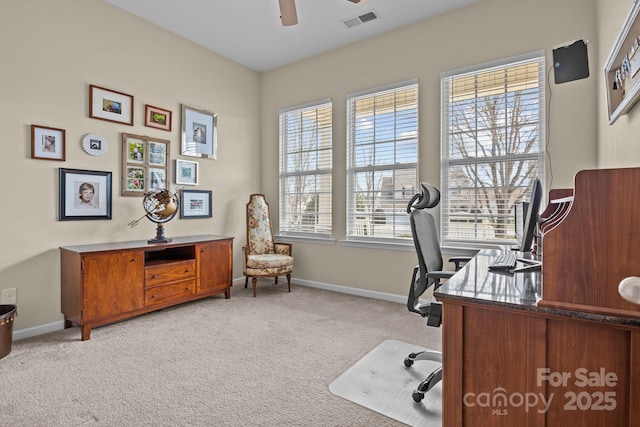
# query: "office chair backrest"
425,240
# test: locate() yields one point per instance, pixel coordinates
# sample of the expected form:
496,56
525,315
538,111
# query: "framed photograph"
47,143
158,179
84,195
195,204
145,164
155,117
186,172
157,153
199,134
110,105
94,144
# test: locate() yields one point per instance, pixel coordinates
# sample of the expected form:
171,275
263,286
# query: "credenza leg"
85,331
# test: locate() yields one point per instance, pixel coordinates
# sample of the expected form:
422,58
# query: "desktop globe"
160,206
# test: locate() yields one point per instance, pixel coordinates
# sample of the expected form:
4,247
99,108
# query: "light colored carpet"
380,381
264,361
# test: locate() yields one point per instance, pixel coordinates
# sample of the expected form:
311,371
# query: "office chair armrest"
440,274
458,260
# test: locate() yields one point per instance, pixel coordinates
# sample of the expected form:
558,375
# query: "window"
305,169
492,148
382,157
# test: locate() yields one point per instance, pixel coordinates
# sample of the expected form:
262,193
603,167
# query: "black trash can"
7,313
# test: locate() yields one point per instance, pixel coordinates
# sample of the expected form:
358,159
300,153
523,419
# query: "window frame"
284,173
351,234
537,57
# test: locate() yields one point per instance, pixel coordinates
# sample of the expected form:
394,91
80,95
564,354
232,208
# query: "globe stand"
160,238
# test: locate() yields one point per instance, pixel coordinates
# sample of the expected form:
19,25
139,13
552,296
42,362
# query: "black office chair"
427,276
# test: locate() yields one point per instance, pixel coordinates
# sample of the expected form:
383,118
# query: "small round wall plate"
94,144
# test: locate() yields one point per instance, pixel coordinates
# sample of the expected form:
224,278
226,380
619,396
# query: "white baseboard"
353,291
342,289
38,330
56,326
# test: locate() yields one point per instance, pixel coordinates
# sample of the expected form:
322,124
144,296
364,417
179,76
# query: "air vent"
369,16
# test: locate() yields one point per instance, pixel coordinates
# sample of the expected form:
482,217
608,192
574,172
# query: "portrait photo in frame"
84,194
199,133
156,117
186,172
145,164
158,178
47,143
195,204
110,105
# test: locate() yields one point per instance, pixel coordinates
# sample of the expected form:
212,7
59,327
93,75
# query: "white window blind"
382,156
492,148
306,148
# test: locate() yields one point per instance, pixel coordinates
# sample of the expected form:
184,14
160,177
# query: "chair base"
254,282
434,378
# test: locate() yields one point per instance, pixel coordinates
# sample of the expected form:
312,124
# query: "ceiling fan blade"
288,12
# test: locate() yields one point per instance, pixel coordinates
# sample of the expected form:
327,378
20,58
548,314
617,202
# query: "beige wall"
618,144
487,31
51,50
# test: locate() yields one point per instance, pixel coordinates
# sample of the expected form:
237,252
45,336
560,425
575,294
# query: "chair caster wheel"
408,362
417,396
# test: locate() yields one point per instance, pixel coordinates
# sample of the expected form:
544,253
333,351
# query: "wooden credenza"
105,283
558,347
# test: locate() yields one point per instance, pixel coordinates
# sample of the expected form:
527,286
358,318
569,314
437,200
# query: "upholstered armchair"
262,256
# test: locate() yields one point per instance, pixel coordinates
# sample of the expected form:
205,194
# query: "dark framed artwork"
156,117
47,143
195,204
145,164
199,133
84,194
110,105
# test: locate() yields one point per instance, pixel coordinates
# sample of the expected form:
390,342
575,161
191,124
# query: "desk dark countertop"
476,284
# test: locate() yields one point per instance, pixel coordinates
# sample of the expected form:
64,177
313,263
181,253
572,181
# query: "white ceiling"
250,32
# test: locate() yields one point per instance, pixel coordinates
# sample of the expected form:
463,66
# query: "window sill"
306,239
369,244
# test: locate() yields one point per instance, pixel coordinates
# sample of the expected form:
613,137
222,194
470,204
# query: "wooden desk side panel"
452,369
597,244
495,359
634,374
595,349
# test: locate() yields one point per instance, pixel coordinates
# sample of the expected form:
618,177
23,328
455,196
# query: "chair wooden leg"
254,280
289,281
276,280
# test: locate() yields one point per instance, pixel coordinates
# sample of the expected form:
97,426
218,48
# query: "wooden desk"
509,361
105,283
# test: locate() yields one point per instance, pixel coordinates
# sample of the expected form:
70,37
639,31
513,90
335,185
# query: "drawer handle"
187,288
154,296
154,276
187,270
134,259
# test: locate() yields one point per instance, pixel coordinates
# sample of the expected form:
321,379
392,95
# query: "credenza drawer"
162,294
170,272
